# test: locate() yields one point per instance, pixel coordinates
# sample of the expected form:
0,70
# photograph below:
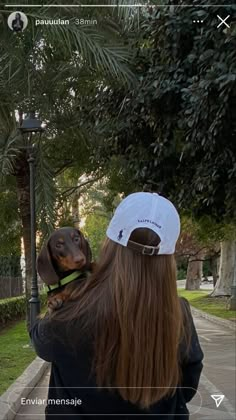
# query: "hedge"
15,308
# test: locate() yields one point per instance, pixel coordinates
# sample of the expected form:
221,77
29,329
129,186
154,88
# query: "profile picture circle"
17,21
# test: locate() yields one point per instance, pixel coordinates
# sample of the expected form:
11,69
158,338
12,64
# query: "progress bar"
115,5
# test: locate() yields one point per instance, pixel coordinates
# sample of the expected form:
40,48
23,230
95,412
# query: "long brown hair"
131,305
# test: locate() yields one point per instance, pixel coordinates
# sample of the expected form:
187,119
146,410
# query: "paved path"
219,375
203,286
219,372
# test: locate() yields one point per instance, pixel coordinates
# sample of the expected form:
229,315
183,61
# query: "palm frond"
100,47
128,15
9,149
94,51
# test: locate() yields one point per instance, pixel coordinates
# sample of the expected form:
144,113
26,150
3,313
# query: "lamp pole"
34,300
29,126
232,305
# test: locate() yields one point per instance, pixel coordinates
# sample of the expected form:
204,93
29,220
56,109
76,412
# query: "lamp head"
31,124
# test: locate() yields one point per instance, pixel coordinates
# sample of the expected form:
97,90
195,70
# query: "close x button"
223,21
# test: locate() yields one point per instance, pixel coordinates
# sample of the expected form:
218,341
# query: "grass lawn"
14,358
212,305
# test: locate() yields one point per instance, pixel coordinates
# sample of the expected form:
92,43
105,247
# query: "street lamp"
30,126
232,305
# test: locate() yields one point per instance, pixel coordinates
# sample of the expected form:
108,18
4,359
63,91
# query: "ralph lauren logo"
149,221
120,235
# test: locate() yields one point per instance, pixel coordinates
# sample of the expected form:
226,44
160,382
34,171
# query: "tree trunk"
23,193
75,209
194,274
226,271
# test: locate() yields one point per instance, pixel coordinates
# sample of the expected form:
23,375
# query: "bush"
15,308
207,268
181,273
10,266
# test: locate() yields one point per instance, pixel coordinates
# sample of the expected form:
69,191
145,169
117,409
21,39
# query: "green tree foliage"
97,205
50,69
95,230
175,131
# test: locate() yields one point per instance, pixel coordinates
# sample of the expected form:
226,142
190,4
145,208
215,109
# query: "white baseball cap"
146,210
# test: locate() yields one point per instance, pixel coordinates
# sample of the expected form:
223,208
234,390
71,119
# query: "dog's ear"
45,267
85,247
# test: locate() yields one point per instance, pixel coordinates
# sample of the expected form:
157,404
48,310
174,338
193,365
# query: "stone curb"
223,322
10,401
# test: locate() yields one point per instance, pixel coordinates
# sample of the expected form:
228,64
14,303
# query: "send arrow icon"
218,399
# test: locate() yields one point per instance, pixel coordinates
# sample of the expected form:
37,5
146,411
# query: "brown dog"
66,252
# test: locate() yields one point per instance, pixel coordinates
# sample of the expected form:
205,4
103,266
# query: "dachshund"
66,253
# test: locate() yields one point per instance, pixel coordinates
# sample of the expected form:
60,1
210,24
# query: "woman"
124,343
17,23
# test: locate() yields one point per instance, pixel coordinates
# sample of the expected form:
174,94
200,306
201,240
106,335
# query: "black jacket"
17,25
71,380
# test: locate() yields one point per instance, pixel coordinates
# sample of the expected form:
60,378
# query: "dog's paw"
54,304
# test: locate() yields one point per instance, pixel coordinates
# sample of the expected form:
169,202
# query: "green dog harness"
68,279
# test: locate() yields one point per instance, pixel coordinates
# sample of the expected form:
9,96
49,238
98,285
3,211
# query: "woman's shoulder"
184,302
51,336
185,307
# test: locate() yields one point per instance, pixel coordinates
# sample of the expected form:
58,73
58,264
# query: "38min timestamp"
85,22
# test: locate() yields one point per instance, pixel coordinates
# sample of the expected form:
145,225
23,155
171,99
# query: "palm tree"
48,70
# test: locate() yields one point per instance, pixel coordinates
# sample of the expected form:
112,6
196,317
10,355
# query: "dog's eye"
76,239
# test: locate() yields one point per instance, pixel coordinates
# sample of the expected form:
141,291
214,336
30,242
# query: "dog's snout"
79,259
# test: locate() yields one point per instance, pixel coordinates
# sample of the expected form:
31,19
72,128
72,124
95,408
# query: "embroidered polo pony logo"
120,236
